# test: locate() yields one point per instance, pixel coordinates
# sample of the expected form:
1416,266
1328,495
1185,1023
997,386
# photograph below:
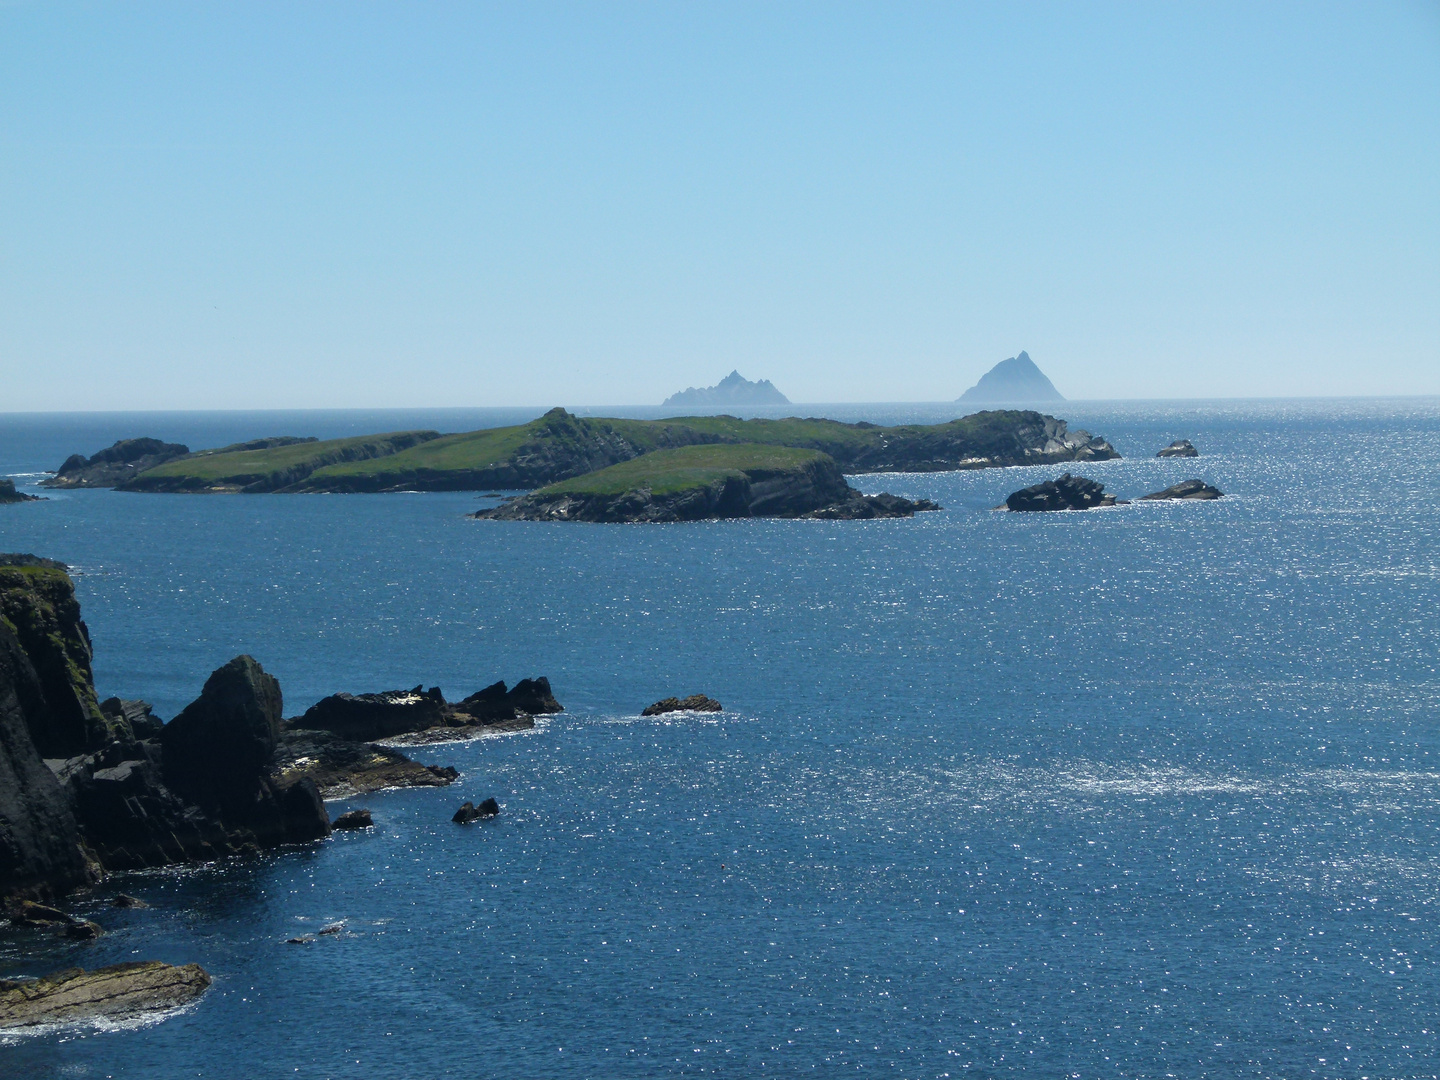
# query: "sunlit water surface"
1142,792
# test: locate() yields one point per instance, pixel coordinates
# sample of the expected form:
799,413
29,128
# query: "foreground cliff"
704,482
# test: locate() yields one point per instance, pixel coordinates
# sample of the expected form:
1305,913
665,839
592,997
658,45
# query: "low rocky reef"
114,465
8,494
716,481
118,992
1179,448
1081,493
1186,489
693,703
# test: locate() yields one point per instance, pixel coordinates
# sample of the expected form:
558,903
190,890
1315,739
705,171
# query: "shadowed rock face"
8,494
119,992
1064,493
1186,489
115,464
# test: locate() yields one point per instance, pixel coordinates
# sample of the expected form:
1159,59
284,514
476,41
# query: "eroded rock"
118,992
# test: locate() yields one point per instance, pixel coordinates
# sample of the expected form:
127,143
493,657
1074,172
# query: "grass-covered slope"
717,480
276,465
559,446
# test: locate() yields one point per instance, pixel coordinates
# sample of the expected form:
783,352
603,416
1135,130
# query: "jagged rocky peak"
734,389
1014,380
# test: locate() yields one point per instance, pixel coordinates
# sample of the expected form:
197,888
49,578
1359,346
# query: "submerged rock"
1179,448
1186,489
470,812
693,703
118,992
1064,493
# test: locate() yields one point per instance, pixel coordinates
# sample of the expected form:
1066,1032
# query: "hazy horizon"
365,207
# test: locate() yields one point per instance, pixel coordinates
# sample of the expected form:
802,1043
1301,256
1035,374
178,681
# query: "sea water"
1141,792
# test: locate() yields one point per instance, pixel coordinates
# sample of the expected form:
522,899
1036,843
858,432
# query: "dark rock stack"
1065,493
88,787
469,812
693,703
353,819
495,705
1186,489
1179,448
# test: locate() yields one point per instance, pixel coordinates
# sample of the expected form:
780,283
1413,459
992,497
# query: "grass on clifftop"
245,466
666,472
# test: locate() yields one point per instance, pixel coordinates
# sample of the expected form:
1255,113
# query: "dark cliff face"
38,605
41,853
86,788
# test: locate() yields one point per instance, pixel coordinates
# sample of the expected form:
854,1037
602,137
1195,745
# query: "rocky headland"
707,482
114,465
1178,448
8,494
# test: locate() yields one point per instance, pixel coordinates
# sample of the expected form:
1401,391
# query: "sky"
256,205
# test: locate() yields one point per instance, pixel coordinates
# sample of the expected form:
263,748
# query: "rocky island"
696,483
561,446
1178,448
1012,380
1186,489
1063,493
734,389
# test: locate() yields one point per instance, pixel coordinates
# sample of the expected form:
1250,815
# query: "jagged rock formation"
119,992
1179,448
8,494
114,465
693,703
1013,380
397,713
1186,489
1065,493
469,812
734,389
341,767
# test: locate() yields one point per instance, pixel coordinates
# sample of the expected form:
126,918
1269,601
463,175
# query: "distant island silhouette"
1016,379
734,389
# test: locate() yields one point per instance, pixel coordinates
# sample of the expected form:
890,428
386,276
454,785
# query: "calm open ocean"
1142,792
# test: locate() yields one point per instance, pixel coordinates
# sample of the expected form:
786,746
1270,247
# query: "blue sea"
1151,791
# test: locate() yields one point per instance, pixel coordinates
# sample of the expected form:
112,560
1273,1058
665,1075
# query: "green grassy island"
724,480
561,446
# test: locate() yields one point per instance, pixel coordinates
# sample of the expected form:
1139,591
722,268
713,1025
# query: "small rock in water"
1066,492
693,703
353,819
333,928
299,940
125,900
1179,448
83,930
470,812
29,913
1186,489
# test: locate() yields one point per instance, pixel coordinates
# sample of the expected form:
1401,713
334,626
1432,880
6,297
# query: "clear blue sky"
312,205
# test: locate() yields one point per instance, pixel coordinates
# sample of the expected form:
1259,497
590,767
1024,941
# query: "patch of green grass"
665,472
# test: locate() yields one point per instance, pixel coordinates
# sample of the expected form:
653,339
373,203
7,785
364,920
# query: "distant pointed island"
734,389
1013,380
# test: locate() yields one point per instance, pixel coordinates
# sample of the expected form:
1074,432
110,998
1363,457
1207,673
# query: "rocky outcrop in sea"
693,703
1186,489
8,494
118,992
1178,448
1066,492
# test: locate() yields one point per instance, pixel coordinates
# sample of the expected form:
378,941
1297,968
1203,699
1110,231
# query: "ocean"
1150,791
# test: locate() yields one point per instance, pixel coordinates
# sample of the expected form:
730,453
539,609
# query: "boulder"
470,812
353,819
693,703
364,717
1179,448
1186,489
1064,493
118,992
